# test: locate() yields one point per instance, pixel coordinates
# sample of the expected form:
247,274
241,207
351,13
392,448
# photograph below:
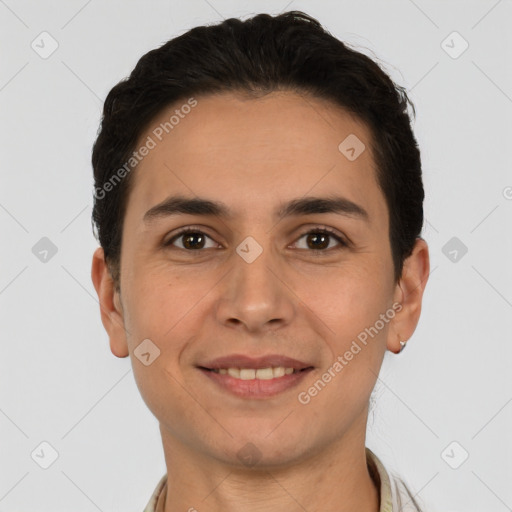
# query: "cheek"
156,300
157,313
347,311
165,310
347,295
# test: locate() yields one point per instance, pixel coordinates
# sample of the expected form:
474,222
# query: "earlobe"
111,310
409,291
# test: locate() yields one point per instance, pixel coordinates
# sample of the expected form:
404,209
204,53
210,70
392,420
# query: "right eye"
192,239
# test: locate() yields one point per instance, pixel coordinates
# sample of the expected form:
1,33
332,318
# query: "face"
266,272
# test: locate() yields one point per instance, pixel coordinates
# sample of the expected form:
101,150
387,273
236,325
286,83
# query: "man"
258,200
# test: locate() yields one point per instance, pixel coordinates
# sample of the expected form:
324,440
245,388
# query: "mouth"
259,374
255,378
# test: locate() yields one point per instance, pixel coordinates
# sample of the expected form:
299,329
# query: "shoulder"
395,496
151,506
405,500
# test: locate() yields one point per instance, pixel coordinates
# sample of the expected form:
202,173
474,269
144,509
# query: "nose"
254,295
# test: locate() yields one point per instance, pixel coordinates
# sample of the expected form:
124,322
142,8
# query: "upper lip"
244,361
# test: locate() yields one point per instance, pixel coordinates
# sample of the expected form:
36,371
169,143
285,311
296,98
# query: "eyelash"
326,231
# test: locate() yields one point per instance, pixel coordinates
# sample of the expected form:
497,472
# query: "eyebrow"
175,205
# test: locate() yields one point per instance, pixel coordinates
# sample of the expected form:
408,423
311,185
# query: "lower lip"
256,388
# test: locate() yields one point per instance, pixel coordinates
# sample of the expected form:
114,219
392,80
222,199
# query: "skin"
253,155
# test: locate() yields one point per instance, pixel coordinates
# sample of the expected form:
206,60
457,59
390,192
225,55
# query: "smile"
251,373
253,383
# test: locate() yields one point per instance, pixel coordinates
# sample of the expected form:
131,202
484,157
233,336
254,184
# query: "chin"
263,451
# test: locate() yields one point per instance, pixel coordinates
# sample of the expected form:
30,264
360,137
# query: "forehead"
259,150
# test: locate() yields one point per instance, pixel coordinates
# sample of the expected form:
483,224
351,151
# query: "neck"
336,479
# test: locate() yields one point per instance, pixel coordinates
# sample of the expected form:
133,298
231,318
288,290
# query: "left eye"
194,239
319,237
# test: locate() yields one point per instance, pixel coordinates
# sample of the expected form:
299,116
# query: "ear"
111,309
409,293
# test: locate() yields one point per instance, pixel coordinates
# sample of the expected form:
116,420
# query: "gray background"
60,383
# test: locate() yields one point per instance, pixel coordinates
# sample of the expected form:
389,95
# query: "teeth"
251,373
279,371
234,372
247,374
264,374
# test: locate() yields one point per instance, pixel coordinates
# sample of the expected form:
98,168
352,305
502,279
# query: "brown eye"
192,239
319,239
